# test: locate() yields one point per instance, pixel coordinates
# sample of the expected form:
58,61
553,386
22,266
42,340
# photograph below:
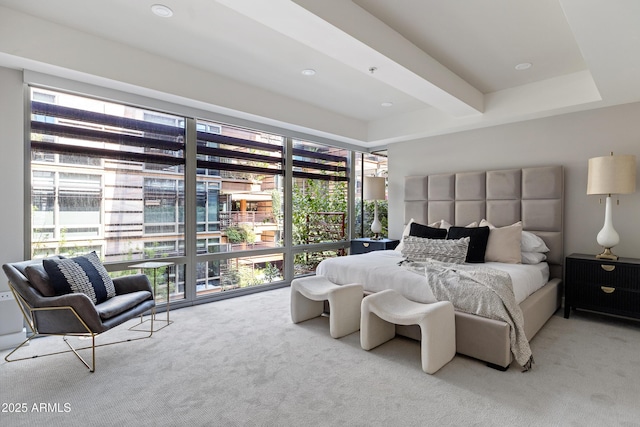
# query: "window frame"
191,258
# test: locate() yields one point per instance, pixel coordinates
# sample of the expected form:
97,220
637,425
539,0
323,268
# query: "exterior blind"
69,131
227,153
311,161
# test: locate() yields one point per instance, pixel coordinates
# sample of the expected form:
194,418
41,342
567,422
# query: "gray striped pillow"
421,249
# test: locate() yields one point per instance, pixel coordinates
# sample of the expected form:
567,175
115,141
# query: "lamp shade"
612,175
374,187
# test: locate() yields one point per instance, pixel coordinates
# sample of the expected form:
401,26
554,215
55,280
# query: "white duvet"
379,270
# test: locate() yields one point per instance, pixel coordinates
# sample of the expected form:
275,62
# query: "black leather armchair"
75,314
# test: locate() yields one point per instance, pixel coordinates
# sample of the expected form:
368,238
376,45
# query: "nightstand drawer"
620,301
361,246
605,274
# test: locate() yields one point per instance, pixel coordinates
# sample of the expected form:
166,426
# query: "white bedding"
379,270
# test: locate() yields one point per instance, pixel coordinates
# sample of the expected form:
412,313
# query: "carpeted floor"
241,362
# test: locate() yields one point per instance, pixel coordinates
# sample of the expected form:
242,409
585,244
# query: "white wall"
11,168
568,140
12,196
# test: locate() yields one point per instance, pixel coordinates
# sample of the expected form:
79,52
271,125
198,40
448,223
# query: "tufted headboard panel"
534,196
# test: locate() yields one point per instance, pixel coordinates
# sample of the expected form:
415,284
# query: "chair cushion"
39,279
84,274
121,303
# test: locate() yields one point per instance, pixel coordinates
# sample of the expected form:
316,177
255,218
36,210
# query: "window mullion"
190,209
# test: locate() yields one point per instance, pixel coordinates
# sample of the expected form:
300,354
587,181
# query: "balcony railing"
231,218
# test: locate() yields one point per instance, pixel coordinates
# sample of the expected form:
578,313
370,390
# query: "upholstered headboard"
534,196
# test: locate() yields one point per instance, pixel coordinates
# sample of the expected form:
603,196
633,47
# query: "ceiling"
445,66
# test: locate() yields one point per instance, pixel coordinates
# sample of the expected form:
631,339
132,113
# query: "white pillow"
405,232
532,243
445,224
504,243
533,257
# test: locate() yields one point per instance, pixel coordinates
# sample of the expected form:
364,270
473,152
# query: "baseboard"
12,330
8,341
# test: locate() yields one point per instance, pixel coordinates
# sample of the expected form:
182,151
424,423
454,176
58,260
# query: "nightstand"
611,287
361,246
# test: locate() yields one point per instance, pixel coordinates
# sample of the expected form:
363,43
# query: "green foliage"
276,204
248,277
240,233
236,234
270,272
230,279
312,196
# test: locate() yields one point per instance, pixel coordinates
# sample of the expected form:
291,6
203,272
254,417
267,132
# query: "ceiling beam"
346,32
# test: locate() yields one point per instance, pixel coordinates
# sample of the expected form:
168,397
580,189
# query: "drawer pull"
366,245
607,289
607,267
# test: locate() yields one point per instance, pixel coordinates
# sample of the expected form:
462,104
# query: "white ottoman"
307,301
383,310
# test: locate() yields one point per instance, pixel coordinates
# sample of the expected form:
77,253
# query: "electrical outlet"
6,296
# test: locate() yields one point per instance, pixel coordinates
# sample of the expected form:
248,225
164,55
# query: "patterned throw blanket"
478,290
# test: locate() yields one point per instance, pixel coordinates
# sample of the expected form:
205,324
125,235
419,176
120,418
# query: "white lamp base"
608,237
376,225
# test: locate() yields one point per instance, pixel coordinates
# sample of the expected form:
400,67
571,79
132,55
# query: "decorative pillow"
84,274
444,224
39,279
504,243
421,249
479,237
532,243
427,232
405,232
533,257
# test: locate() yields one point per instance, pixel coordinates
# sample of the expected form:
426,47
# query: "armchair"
74,314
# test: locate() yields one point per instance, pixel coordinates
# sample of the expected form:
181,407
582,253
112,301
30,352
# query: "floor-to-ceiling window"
320,202
240,176
108,178
235,209
369,164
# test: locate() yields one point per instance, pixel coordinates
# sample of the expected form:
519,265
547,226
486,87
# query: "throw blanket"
478,290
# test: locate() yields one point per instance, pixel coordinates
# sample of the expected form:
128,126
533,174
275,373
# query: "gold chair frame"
27,313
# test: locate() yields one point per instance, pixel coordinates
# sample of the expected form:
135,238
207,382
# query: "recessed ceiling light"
162,11
523,66
309,72
387,104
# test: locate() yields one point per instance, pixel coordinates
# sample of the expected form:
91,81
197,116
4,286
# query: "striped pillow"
420,249
84,274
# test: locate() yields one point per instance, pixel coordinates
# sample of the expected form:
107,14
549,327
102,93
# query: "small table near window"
361,246
155,265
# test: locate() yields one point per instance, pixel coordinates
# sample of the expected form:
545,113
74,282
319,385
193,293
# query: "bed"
533,196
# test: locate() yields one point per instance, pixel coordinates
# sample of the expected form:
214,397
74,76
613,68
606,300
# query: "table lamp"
610,175
374,190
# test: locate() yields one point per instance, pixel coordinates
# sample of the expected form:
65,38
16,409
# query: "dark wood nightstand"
605,286
361,246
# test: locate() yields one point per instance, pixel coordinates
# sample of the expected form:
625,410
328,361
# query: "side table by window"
155,266
361,246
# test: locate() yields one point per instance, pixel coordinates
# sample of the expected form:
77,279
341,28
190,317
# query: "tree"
270,272
313,196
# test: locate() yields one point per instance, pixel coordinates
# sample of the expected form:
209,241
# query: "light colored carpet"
241,362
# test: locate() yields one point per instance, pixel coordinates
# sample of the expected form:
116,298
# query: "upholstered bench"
383,310
308,295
